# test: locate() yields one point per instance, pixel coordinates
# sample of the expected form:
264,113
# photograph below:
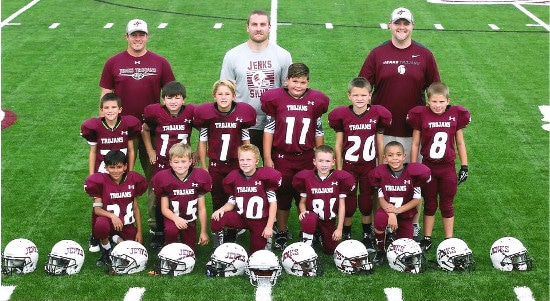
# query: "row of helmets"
229,259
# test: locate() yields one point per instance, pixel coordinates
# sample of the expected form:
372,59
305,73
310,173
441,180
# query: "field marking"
17,13
329,26
393,293
530,15
273,22
218,25
6,291
54,25
162,25
108,25
494,27
524,293
134,294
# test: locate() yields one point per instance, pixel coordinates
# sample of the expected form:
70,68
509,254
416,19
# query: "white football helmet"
263,266
299,259
352,257
508,253
453,254
175,259
229,259
66,258
405,255
128,257
20,257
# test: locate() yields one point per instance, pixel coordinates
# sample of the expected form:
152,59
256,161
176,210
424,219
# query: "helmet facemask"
58,265
17,265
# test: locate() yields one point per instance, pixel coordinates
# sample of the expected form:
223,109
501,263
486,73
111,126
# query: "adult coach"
256,66
399,71
137,76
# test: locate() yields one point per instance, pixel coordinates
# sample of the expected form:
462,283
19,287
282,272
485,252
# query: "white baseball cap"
136,25
401,13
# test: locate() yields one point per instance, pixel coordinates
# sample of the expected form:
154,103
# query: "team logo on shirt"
138,73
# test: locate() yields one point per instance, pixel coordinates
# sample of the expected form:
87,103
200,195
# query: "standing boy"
170,123
323,191
182,190
223,128
294,128
252,193
399,192
359,142
110,132
116,203
437,131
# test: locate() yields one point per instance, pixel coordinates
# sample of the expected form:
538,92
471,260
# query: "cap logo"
137,23
400,12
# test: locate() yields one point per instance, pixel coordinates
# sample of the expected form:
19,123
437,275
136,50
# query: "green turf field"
50,80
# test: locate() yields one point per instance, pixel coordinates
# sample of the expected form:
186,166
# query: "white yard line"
134,294
5,292
273,14
523,293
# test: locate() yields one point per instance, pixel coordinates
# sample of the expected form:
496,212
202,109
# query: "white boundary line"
17,13
530,15
393,293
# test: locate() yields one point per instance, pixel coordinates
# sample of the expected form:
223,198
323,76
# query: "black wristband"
465,167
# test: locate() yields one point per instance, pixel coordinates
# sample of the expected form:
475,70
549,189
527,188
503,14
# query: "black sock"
347,229
367,229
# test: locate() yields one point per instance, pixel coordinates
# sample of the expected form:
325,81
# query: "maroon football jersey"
183,195
251,194
96,132
437,143
400,78
400,190
117,198
136,80
359,131
224,129
322,195
168,129
295,119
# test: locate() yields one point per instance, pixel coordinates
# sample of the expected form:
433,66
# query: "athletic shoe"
425,243
281,240
389,239
416,232
93,244
379,258
157,240
369,243
104,259
230,235
317,239
346,236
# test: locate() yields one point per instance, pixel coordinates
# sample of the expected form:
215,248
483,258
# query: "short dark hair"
298,70
394,143
359,82
174,88
114,157
110,97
